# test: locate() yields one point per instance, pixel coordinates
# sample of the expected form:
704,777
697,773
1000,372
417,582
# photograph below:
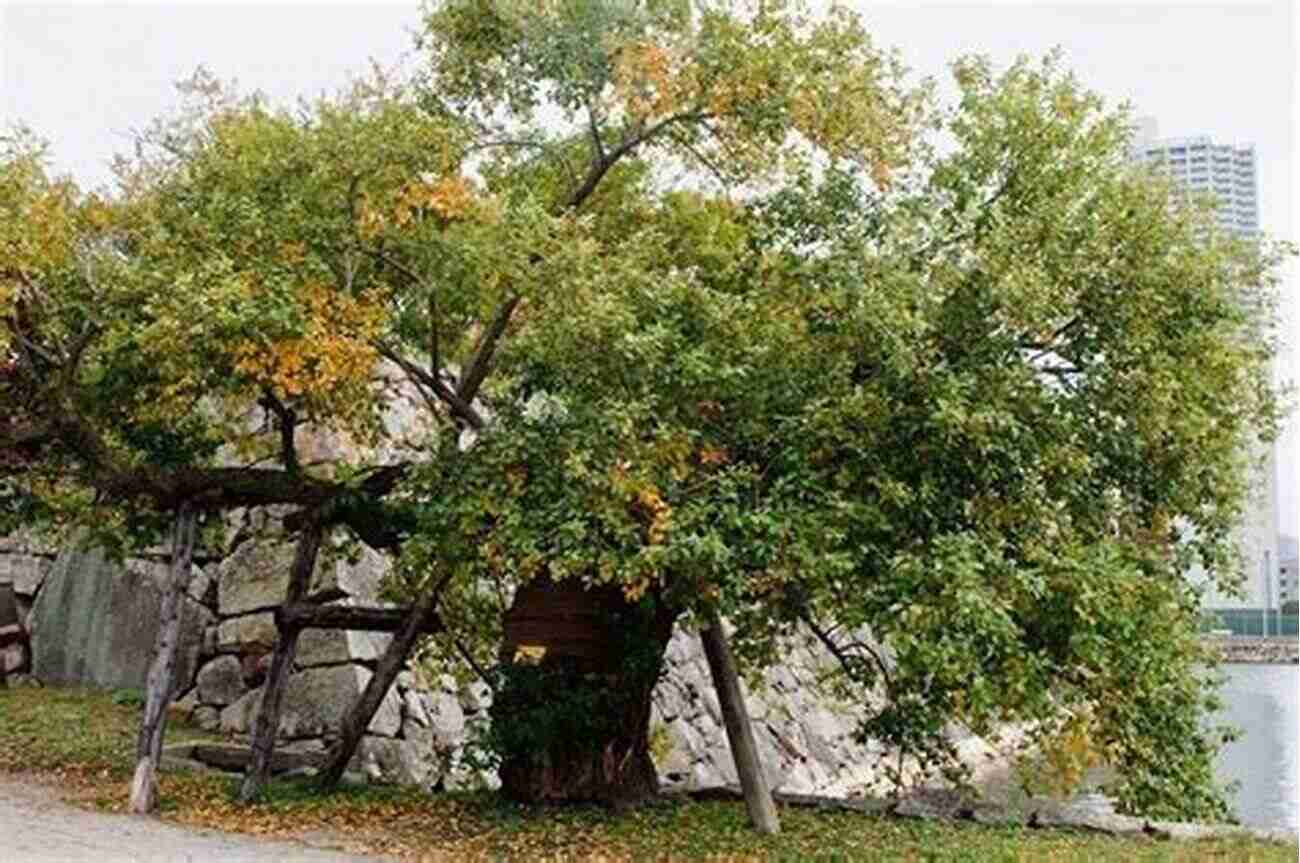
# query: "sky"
84,76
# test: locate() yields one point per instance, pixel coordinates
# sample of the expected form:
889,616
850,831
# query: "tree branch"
477,369
846,661
601,165
288,421
458,406
597,148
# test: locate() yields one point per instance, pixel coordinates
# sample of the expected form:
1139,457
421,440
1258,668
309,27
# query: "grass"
84,740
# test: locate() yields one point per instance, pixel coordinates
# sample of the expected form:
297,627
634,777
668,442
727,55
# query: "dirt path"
36,827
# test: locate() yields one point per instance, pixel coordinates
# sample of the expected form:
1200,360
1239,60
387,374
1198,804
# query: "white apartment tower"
1201,165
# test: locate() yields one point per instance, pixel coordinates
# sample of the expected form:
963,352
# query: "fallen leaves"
82,743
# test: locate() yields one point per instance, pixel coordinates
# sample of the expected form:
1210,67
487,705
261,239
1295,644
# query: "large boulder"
255,576
252,581
403,762
95,622
221,682
314,704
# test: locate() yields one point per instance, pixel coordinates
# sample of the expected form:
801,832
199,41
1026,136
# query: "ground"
36,828
61,747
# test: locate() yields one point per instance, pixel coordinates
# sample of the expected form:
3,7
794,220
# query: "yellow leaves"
97,214
293,253
655,514
849,116
529,654
334,349
741,87
370,221
8,295
1068,755
648,80
446,198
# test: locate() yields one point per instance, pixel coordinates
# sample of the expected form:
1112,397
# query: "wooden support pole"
422,618
753,782
160,683
306,615
267,724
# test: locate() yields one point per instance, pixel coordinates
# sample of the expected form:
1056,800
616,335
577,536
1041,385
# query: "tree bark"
589,695
753,782
277,678
422,618
160,682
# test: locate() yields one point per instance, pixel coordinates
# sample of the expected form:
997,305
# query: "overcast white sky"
84,75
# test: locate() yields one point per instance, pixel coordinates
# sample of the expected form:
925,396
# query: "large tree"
965,417
704,323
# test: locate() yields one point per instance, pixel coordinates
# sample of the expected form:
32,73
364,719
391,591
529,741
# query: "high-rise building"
1202,165
1199,165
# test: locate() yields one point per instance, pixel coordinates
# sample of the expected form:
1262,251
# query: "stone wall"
94,622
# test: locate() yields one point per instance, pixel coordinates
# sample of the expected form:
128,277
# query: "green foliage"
128,697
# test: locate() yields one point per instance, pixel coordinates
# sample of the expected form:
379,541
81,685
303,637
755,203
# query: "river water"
1263,702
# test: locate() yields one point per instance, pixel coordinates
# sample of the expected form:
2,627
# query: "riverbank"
1254,650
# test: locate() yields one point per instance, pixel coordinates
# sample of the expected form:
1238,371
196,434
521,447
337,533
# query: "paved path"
36,827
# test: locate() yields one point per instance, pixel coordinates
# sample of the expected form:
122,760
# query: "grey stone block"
246,630
221,681
257,574
403,762
329,646
26,571
446,719
95,623
315,702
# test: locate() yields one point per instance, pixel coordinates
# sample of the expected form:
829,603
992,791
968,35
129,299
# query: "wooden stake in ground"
162,671
267,723
423,618
753,782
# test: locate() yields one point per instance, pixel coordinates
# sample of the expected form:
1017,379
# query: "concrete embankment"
1280,650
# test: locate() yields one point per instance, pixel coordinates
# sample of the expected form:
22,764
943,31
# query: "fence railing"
1252,622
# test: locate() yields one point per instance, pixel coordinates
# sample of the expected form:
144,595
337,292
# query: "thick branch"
597,148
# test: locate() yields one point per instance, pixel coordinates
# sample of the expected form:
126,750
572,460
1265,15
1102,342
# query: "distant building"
1288,576
1200,164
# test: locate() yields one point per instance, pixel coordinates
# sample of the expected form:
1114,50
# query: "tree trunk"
587,697
160,683
423,618
753,782
277,678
